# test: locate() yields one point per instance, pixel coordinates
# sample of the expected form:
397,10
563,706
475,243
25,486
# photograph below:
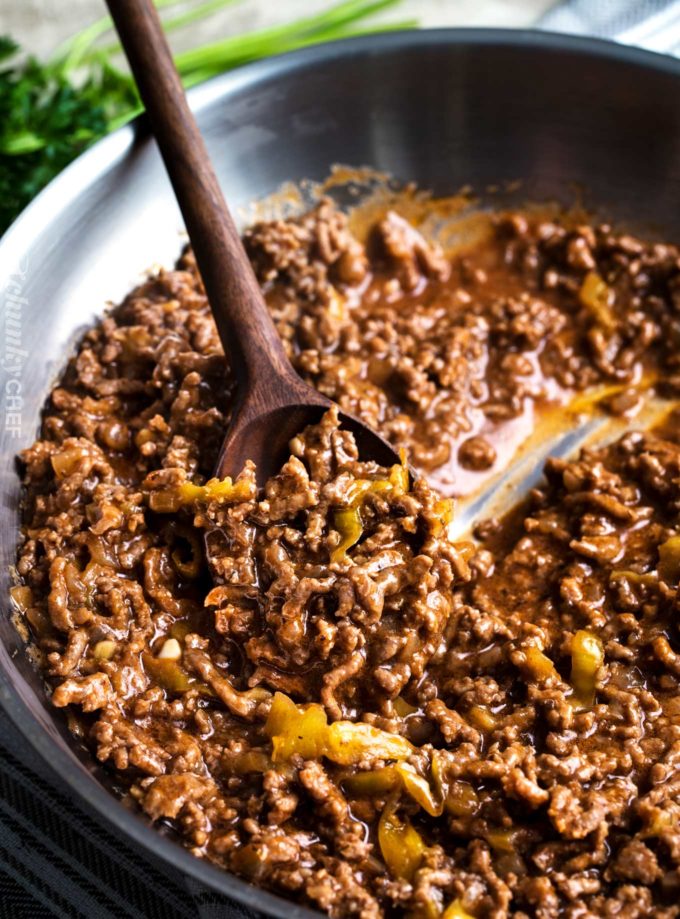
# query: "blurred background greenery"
64,83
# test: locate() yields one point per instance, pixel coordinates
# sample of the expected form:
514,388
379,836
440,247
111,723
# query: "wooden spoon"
273,403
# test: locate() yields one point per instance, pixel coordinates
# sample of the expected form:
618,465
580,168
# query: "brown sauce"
359,711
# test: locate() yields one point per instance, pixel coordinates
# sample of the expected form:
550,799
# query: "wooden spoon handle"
248,335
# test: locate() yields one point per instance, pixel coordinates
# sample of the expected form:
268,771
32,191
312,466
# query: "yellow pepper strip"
347,520
360,488
483,718
221,490
169,500
669,560
538,664
308,739
419,789
587,655
401,845
585,401
296,729
170,676
282,715
456,910
501,840
349,743
461,800
634,577
399,475
304,730
597,297
444,511
403,708
426,909
372,784
390,778
180,628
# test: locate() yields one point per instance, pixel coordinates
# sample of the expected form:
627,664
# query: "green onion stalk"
53,110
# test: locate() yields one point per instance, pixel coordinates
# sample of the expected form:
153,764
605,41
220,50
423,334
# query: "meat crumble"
317,686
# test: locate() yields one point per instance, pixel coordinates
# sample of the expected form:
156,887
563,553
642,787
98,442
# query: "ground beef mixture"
335,700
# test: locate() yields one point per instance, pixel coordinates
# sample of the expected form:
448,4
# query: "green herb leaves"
49,113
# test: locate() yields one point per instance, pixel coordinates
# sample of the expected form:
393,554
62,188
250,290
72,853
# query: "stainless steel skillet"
442,108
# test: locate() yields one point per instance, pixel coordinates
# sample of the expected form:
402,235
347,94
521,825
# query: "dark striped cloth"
56,860
651,24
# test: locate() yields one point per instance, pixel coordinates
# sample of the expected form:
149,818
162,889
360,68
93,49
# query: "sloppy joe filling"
317,686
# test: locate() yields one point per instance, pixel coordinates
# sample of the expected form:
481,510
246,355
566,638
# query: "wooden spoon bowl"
273,404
